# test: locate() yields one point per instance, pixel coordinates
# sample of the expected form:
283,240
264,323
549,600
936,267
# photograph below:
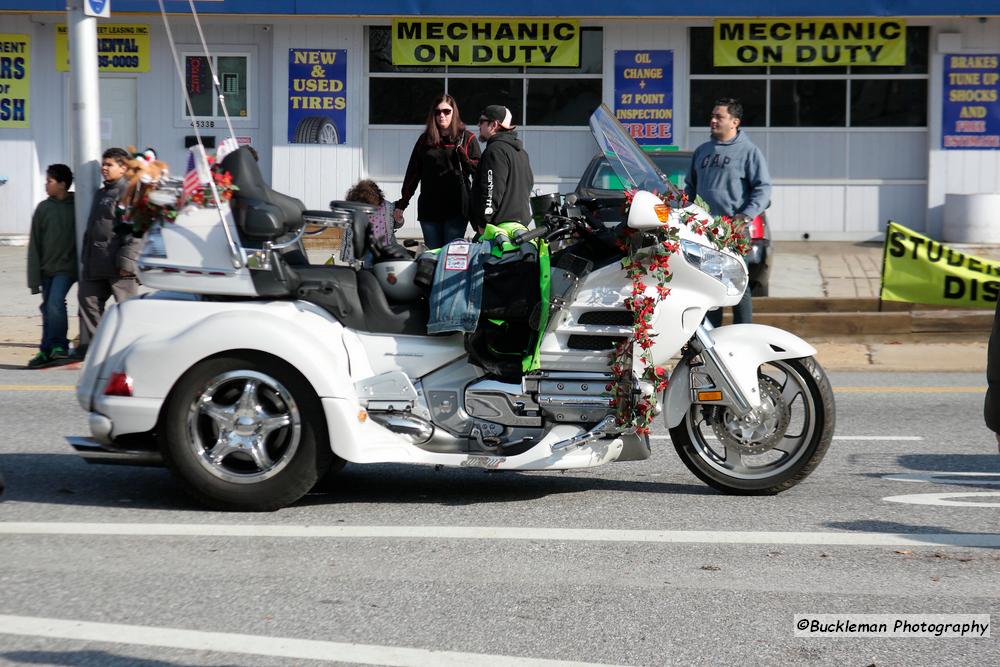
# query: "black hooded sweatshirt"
441,171
503,183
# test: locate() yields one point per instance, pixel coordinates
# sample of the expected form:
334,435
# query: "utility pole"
86,109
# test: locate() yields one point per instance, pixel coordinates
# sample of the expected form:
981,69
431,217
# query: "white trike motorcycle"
253,375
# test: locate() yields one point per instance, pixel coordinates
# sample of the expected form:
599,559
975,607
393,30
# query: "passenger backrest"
360,225
253,189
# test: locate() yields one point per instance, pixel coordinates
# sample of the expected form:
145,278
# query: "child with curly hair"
382,224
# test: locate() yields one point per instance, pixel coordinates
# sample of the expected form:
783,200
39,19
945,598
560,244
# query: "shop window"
472,95
547,96
234,78
808,103
751,93
563,101
888,102
392,101
828,97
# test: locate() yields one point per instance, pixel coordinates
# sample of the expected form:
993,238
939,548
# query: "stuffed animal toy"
144,172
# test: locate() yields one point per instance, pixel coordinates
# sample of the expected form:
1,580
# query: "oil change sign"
971,117
520,42
120,48
644,95
317,96
918,269
810,43
15,80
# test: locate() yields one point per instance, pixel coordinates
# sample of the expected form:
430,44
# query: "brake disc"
760,430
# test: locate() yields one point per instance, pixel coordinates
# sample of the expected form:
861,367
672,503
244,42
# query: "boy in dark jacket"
109,256
504,179
52,267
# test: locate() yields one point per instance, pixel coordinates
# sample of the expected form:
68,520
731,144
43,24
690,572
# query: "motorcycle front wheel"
771,450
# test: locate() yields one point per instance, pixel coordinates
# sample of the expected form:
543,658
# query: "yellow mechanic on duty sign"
918,269
809,42
467,42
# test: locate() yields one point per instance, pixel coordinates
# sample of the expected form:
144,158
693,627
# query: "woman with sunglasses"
443,163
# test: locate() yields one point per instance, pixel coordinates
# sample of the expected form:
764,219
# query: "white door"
119,112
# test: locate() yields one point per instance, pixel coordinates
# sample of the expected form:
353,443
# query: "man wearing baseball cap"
504,180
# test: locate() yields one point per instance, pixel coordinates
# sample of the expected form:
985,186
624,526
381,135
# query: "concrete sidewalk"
807,273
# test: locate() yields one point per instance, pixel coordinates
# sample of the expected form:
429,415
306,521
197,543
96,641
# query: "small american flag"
191,180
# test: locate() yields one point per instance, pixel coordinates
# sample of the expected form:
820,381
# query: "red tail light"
757,227
119,384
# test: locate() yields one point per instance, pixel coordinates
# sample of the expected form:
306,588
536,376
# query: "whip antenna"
215,76
234,251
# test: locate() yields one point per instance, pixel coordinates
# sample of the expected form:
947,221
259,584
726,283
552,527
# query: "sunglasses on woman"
443,112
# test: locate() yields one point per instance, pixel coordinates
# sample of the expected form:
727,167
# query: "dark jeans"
55,322
742,312
436,234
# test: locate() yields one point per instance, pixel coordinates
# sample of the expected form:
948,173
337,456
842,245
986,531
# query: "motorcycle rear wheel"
736,459
245,433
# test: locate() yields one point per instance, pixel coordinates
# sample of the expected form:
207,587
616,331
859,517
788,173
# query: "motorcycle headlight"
725,268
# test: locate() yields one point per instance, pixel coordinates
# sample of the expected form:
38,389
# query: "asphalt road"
632,564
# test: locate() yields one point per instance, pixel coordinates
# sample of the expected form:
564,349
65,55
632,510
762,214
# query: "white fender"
743,348
307,341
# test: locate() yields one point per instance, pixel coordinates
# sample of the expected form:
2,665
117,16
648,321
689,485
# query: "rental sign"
15,80
517,42
809,43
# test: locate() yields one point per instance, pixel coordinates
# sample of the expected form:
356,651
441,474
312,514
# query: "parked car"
600,193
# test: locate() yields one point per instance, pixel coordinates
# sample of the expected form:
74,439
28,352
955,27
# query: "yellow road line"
37,387
909,390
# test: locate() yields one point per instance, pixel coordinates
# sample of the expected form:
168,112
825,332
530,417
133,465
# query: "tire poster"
317,96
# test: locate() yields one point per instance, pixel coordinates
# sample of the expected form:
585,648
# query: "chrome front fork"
715,366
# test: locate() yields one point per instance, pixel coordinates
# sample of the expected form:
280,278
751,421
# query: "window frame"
852,73
183,119
524,74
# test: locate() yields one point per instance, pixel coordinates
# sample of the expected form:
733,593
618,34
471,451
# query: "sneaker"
78,353
58,354
39,360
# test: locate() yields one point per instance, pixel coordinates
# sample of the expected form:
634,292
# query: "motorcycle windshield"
630,163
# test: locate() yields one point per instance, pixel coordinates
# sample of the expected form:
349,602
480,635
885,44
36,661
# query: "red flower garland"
144,214
223,184
653,262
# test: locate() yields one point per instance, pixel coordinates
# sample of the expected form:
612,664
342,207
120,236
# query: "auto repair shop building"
874,112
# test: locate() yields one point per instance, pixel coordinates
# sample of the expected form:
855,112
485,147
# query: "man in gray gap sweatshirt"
730,174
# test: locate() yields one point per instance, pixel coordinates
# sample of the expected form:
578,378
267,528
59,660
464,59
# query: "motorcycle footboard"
92,451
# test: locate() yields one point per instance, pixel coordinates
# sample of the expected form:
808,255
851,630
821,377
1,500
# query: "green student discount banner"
918,269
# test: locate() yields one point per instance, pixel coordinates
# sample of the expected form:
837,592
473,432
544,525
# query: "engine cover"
501,403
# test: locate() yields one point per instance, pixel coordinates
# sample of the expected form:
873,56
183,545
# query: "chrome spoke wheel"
244,427
765,443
